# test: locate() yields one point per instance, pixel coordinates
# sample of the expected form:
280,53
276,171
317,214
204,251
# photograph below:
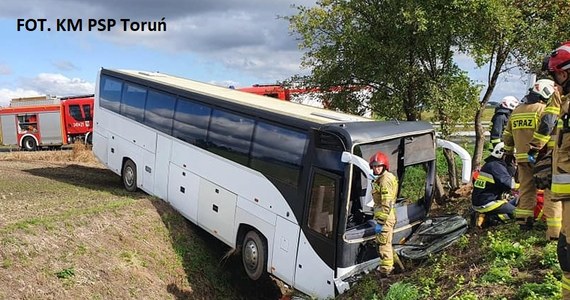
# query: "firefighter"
559,69
384,193
501,117
519,132
543,141
491,185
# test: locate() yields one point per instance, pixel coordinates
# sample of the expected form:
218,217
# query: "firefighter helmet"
381,159
544,88
499,150
560,58
510,102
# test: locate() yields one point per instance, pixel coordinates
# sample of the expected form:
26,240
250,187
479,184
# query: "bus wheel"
254,255
29,144
129,175
89,139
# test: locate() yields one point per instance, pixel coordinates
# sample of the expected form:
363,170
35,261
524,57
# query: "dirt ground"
68,230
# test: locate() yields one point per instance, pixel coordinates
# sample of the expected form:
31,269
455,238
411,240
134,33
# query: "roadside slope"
69,231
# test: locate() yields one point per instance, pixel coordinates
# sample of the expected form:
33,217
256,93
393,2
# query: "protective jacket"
494,179
385,191
546,133
560,159
498,124
521,127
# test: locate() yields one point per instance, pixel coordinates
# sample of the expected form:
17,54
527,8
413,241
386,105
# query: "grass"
505,264
68,230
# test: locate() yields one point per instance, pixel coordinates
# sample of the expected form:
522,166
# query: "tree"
398,49
452,97
401,50
508,34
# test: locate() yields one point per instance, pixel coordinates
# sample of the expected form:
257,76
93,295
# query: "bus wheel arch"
253,246
29,143
129,175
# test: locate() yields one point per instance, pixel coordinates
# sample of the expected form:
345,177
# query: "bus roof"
275,106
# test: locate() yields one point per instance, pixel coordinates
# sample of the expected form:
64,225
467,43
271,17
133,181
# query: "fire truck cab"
32,123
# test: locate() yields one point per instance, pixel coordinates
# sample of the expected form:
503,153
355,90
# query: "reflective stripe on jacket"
520,129
493,180
384,193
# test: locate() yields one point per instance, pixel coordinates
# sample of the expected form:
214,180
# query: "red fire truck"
32,123
275,91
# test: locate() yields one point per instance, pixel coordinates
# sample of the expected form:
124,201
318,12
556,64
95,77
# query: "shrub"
402,291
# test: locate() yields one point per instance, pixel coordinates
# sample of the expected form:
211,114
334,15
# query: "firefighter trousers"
563,254
527,194
384,240
552,211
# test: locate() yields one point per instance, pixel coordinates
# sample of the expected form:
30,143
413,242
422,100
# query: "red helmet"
560,58
379,158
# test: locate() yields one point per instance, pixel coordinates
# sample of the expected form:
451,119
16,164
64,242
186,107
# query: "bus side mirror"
366,201
463,154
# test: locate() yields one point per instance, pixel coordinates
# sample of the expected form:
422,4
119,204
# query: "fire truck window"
87,112
28,123
75,112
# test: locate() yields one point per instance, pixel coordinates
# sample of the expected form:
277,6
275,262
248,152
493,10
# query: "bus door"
317,245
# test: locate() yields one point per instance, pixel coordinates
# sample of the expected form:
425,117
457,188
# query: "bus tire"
254,255
29,144
89,139
129,175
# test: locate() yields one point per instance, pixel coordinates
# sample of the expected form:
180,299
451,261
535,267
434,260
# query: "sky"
223,42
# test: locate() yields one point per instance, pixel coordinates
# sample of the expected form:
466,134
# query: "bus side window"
321,206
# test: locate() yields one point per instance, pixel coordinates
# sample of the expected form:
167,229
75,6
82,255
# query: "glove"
377,227
532,154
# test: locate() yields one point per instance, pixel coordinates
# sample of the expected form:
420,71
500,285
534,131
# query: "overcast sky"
225,42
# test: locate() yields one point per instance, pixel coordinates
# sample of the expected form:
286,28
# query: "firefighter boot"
480,220
398,265
527,225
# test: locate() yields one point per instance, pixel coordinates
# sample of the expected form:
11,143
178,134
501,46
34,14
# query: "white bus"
284,183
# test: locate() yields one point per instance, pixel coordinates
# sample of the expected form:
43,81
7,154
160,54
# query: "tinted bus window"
321,205
191,122
133,101
230,136
110,93
159,111
278,152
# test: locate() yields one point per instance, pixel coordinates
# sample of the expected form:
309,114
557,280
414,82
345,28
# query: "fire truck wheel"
29,144
253,255
129,175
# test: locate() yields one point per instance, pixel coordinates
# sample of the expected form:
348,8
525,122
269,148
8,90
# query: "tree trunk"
494,72
479,139
451,168
440,195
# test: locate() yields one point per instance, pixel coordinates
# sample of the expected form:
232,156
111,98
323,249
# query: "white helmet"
510,102
499,150
544,88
